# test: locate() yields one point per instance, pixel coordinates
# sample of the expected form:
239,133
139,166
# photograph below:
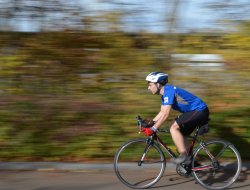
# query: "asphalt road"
95,180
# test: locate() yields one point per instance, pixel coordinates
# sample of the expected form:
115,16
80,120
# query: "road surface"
95,180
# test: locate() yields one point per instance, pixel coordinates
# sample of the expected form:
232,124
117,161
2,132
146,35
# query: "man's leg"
178,138
181,143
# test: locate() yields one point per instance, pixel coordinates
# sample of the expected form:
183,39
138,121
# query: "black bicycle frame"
155,137
168,150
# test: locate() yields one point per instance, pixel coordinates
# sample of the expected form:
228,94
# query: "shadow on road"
175,180
172,180
244,175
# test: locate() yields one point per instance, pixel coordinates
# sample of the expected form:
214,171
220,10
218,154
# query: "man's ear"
158,85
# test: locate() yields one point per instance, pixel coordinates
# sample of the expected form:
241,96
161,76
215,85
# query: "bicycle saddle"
203,129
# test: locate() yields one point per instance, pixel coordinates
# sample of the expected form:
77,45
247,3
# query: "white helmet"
157,77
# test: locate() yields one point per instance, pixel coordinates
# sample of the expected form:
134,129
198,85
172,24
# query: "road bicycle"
140,163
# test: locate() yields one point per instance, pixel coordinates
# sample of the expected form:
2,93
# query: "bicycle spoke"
221,152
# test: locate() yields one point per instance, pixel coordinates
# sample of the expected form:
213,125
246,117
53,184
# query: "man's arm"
157,116
162,115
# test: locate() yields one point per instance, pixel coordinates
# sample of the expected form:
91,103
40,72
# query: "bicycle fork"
150,142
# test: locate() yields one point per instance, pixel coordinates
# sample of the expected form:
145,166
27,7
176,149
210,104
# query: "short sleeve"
168,96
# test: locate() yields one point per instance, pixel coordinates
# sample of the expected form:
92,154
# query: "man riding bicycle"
194,112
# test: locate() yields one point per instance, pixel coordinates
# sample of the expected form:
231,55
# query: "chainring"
183,170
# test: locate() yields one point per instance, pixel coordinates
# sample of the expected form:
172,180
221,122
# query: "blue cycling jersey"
181,100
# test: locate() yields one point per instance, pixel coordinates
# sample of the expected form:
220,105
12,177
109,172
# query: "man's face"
152,87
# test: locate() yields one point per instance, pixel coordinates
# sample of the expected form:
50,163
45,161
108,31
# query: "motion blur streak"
71,91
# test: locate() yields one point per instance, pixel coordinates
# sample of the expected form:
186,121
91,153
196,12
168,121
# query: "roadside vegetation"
74,96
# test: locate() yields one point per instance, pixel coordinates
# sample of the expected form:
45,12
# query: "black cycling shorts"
190,120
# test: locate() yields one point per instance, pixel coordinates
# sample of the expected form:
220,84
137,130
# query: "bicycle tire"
130,172
221,172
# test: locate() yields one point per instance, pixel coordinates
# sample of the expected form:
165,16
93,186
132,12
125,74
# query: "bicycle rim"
130,172
222,171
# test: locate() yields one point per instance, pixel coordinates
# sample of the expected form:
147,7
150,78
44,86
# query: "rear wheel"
139,164
219,164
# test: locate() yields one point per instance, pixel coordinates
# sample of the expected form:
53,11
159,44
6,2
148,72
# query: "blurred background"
72,73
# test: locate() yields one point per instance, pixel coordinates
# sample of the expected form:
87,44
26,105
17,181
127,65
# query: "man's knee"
174,127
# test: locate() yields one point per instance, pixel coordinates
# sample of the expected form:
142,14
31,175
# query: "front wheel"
139,163
216,164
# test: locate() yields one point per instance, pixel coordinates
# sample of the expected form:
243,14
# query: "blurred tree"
172,24
47,15
136,9
229,12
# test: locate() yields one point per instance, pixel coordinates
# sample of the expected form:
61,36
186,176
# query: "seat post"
194,138
196,132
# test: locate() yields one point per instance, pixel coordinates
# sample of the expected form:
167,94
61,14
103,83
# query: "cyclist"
194,112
